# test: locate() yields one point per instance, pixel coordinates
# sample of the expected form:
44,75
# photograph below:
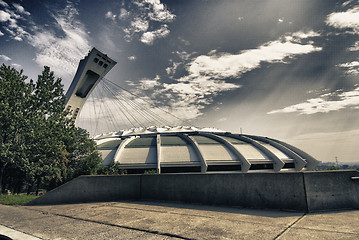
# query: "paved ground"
153,220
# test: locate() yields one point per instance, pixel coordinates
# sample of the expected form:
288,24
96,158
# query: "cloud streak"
325,103
226,65
351,67
5,58
147,23
208,74
149,37
10,17
62,53
344,20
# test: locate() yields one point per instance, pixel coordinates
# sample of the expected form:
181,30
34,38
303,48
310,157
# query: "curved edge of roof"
154,129
255,152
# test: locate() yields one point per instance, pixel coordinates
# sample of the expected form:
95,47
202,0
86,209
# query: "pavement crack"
327,230
119,226
291,225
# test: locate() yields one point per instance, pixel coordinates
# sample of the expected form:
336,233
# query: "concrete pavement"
159,220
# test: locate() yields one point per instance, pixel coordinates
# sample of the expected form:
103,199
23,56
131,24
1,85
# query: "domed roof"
191,149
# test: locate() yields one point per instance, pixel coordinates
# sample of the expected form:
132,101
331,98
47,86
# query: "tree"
333,168
15,96
40,147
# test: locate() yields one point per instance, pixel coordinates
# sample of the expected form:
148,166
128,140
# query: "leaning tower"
89,73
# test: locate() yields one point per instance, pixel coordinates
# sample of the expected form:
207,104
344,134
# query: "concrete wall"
301,191
259,190
93,189
331,190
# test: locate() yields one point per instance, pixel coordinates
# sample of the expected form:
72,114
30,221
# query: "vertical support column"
121,148
245,164
277,163
196,148
298,160
159,155
312,163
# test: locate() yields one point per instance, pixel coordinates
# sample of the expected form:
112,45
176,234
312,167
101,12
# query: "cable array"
111,107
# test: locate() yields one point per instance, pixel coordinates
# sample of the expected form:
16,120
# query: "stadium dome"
190,149
175,149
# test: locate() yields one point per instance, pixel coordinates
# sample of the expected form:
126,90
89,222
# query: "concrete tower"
89,73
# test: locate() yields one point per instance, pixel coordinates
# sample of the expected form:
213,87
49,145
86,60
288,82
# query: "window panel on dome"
178,154
204,140
139,155
172,141
234,140
110,144
216,152
249,152
275,151
142,142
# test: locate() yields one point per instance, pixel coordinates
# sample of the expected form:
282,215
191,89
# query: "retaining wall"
301,191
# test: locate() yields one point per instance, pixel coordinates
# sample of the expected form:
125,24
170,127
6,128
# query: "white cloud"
149,83
185,42
4,4
123,14
149,37
10,18
208,74
347,2
222,119
62,54
17,38
303,35
5,58
4,16
132,58
351,67
325,103
233,65
110,15
342,20
355,47
15,65
188,95
1,33
171,70
159,12
20,9
196,88
280,20
183,55
184,110
139,25
141,20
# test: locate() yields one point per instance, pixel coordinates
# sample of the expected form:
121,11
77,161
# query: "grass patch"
16,199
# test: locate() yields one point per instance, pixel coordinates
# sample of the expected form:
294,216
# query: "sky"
288,70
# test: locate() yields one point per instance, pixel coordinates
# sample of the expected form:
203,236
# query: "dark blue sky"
283,69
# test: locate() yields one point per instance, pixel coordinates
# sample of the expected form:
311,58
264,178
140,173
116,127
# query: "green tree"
40,147
333,168
15,95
